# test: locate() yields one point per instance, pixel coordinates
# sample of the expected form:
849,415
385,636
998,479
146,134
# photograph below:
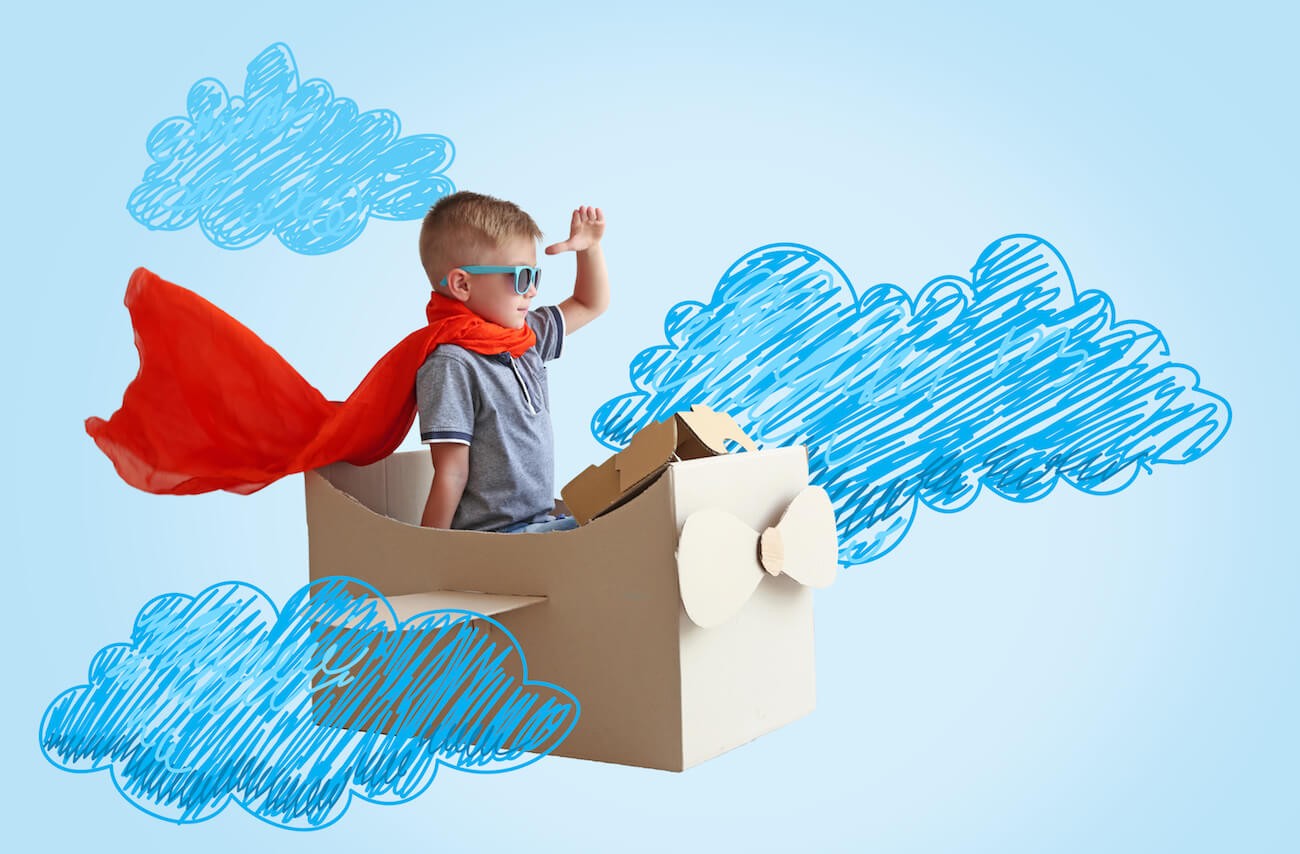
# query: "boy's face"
492,295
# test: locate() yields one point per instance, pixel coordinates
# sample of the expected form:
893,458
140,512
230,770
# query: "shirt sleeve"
444,393
547,324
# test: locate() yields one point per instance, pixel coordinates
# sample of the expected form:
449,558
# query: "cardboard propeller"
721,560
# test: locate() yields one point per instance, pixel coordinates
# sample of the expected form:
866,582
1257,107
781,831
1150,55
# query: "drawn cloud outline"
670,377
288,158
379,607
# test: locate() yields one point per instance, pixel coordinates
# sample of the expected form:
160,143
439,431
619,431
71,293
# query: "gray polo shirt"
500,407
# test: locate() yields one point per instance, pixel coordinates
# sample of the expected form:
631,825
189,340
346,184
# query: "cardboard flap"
410,604
713,429
701,432
696,434
648,451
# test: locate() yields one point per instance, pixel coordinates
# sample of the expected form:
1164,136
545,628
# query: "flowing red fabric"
215,407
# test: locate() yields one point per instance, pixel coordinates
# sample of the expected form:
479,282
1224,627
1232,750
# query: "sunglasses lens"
525,278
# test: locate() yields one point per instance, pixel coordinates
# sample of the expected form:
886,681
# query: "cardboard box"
692,435
599,610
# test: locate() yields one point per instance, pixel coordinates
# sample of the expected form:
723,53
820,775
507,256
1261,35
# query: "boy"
485,416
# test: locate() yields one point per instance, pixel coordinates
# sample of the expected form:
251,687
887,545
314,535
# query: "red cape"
215,407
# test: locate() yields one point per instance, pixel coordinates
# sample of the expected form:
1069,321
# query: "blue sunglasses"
525,277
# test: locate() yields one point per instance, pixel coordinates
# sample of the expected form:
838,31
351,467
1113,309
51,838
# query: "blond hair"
464,224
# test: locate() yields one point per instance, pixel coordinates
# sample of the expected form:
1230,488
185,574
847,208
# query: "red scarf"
214,407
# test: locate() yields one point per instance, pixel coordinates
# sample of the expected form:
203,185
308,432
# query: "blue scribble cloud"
288,159
219,698
1009,380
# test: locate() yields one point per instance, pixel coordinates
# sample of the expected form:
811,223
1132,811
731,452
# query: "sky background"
1079,673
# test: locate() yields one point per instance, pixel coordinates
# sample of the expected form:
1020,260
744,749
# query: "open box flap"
650,450
713,430
701,432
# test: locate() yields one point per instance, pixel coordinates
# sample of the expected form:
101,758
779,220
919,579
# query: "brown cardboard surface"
656,690
594,490
696,434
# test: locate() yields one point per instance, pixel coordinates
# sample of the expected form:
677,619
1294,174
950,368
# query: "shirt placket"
523,386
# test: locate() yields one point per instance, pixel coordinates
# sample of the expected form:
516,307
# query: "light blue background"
1077,674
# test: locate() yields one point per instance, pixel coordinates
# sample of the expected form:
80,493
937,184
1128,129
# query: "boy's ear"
457,286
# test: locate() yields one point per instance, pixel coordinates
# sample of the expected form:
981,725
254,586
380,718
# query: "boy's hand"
591,287
585,230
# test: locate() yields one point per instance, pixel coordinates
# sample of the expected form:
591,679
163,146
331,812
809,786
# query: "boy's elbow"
444,497
451,476
595,307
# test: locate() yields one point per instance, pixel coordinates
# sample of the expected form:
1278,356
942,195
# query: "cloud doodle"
1009,380
288,159
219,698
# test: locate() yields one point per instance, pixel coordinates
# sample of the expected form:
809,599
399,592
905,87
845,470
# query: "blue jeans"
539,524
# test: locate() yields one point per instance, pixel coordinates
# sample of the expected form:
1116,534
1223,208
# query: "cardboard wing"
489,604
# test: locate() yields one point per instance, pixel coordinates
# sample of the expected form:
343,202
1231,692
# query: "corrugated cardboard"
696,434
603,615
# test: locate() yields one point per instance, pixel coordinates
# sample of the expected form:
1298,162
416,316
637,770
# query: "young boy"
486,417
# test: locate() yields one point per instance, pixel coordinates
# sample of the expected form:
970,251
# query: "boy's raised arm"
450,471
591,287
